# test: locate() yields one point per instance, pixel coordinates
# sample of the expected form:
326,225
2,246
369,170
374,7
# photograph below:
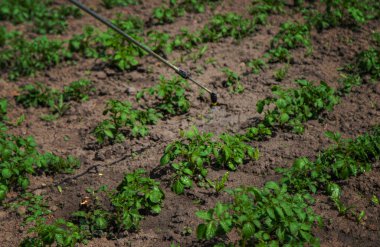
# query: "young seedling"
232,81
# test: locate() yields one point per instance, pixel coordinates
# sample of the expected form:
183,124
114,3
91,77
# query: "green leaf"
178,187
204,215
248,230
211,230
6,173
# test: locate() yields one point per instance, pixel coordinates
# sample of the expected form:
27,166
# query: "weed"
78,90
3,109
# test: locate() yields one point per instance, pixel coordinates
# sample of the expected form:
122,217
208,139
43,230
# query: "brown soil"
71,133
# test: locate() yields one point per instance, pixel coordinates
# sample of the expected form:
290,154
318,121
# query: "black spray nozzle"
214,98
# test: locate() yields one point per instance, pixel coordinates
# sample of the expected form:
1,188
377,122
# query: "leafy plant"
257,65
163,14
262,217
186,40
226,25
45,17
19,158
78,90
261,9
3,109
122,115
280,74
25,58
292,107
159,42
60,232
291,36
170,95
190,156
258,133
109,4
135,194
343,13
233,81
348,157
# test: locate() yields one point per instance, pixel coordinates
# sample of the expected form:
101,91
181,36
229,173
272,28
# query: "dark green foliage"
109,4
291,36
294,106
368,63
159,42
3,109
20,158
257,65
262,217
167,14
78,90
343,13
186,40
111,46
170,96
35,207
227,25
233,81
123,118
25,58
258,133
190,157
61,233
136,196
261,9
46,19
348,157
38,94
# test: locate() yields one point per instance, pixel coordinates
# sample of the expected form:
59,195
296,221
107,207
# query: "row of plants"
59,102
168,99
280,213
168,13
20,159
45,16
104,212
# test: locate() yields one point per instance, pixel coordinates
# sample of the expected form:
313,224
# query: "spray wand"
184,74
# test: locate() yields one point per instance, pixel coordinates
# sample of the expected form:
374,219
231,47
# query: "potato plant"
267,216
137,195
190,157
291,36
226,25
45,17
232,81
294,106
261,9
40,95
109,4
346,158
124,121
20,158
24,58
3,109
343,13
170,96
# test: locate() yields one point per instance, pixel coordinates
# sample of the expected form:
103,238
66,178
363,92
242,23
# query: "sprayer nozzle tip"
214,98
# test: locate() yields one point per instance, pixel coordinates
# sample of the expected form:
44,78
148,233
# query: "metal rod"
179,71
